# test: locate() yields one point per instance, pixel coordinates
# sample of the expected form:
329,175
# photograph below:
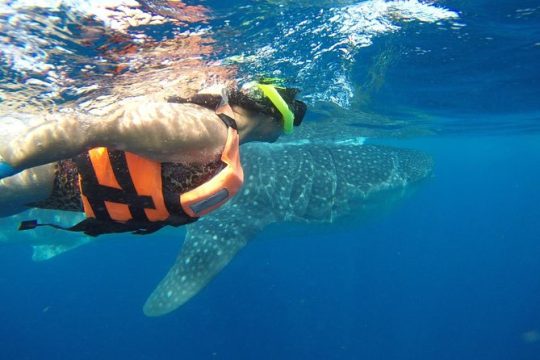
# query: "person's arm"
160,131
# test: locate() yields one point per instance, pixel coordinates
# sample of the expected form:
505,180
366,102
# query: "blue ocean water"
450,273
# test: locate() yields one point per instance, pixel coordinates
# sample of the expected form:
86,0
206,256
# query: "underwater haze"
447,270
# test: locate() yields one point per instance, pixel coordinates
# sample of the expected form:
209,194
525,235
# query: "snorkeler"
144,164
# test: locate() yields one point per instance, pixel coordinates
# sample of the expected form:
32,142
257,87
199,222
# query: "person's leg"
29,186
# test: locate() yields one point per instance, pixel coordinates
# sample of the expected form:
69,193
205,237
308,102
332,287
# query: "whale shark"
303,181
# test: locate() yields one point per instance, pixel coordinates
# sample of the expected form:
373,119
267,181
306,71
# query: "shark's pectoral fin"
207,250
211,243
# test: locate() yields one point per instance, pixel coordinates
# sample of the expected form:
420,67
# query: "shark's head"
416,165
373,178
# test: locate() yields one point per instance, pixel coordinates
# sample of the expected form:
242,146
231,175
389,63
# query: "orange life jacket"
124,188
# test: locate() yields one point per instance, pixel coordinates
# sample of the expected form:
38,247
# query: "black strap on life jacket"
97,194
95,227
228,121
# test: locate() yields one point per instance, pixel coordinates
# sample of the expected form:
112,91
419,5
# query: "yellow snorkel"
288,116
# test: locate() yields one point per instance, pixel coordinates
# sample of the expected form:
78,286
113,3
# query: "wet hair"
238,98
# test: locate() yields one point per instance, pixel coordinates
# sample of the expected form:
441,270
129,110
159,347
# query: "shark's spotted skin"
303,183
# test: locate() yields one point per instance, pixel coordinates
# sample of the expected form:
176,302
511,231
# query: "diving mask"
279,101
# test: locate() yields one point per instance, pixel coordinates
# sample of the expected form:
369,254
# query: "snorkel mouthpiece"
288,116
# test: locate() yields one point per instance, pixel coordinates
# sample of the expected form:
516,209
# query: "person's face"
269,128
264,127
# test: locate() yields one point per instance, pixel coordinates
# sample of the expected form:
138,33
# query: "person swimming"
144,163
